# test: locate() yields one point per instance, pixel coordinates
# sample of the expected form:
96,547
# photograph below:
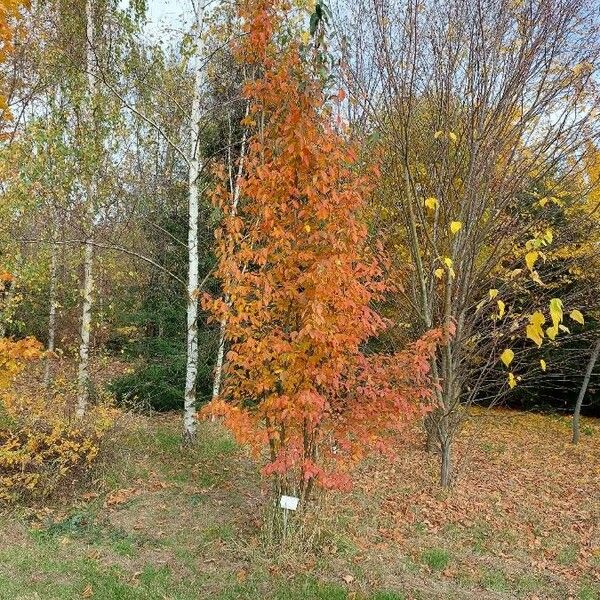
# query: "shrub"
42,447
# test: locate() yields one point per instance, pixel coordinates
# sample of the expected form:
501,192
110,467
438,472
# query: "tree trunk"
83,377
52,309
219,363
235,198
189,404
446,464
583,390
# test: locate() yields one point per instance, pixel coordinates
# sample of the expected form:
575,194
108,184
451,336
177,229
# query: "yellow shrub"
14,355
43,447
41,444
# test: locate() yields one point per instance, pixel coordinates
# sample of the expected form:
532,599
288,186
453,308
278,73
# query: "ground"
159,521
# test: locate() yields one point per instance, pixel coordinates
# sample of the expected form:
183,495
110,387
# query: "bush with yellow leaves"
43,447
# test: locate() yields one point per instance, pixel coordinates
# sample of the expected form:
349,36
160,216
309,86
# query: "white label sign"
289,502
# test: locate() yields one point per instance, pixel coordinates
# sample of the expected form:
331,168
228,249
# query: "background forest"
346,252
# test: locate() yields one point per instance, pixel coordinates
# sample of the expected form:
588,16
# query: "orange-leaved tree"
10,16
12,354
299,281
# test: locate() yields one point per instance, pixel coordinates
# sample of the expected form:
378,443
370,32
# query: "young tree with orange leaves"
300,282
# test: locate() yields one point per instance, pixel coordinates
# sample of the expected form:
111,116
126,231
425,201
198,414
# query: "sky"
168,13
165,15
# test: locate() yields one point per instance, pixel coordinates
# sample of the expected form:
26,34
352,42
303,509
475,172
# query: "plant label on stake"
287,503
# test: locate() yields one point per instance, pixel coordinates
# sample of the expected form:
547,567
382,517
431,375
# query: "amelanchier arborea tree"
300,281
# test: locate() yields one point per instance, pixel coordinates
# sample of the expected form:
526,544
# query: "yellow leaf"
438,134
577,316
543,364
537,318
507,357
448,262
530,259
543,201
455,227
305,37
511,381
552,332
307,228
431,203
493,294
439,273
452,136
535,334
501,309
556,311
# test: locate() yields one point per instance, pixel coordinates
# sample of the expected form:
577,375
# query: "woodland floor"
162,522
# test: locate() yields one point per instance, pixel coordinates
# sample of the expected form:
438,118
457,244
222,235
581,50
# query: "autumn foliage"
299,281
10,15
40,445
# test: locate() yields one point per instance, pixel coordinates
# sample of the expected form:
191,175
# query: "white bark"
235,198
52,307
189,403
83,377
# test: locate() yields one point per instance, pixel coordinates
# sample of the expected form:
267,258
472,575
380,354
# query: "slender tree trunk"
220,358
583,390
52,308
189,404
446,466
235,198
83,377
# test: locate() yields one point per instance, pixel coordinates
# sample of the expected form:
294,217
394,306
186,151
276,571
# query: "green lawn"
164,522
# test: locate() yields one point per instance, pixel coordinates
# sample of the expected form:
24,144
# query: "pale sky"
168,13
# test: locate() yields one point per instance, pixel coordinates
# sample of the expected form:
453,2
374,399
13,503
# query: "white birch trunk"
52,306
191,372
235,198
83,377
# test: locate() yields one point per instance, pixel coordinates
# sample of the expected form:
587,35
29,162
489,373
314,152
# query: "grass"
436,559
495,580
187,525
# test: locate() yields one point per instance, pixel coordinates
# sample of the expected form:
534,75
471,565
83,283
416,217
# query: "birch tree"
191,373
83,374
